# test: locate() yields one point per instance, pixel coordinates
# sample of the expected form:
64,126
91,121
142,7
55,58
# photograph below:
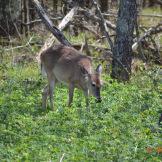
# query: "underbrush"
123,127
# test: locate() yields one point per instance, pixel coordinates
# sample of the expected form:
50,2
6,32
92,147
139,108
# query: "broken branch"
54,30
153,30
50,40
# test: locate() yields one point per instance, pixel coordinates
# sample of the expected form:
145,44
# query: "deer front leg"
71,93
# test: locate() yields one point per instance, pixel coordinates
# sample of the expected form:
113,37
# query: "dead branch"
54,30
80,24
96,19
37,21
18,47
103,24
155,50
153,30
50,40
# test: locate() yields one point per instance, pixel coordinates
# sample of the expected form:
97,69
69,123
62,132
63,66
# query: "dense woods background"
19,19
22,12
125,36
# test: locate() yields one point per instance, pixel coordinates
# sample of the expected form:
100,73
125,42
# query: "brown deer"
65,64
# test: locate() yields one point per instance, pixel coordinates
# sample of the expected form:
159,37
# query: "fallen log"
54,30
153,30
50,40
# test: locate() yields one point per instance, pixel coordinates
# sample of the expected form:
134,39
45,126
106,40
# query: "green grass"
150,21
152,10
121,128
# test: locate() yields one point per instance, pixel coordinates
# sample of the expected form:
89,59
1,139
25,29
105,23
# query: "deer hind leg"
71,93
51,82
45,94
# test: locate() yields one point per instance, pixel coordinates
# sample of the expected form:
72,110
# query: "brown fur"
67,65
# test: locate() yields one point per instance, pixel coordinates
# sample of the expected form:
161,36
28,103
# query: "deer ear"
99,69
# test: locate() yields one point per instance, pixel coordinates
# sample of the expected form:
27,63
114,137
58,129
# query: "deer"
65,64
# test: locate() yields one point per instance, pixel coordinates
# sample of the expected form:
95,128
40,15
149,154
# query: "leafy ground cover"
121,128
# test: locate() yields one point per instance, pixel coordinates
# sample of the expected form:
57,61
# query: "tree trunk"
9,12
122,51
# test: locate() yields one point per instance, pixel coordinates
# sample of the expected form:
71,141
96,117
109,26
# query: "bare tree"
122,51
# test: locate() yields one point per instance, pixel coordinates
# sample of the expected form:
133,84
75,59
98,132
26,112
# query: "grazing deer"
65,64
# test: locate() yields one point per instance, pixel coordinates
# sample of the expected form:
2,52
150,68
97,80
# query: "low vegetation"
124,127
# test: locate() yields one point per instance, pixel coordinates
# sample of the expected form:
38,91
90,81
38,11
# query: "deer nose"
98,100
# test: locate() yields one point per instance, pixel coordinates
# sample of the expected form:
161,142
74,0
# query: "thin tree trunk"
122,51
27,17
